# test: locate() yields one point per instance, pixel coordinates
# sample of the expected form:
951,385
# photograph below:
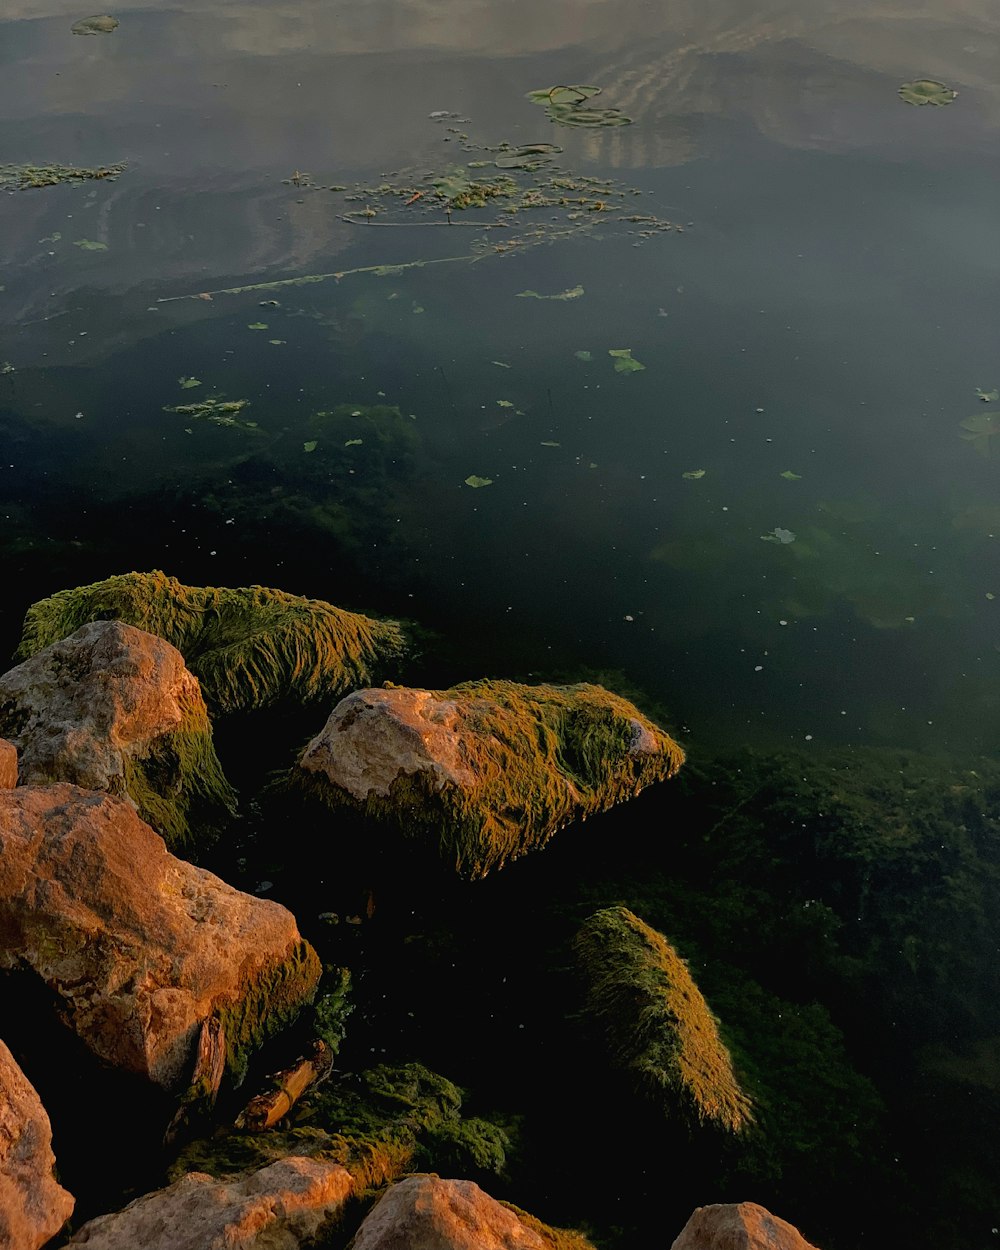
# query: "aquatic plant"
537,758
102,24
31,177
214,409
567,106
981,428
926,91
655,1022
249,647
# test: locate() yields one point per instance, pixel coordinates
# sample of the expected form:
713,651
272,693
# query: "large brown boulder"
486,771
283,1206
33,1206
141,947
427,1213
738,1226
113,708
8,765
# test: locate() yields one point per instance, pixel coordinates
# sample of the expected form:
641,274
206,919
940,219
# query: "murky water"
824,312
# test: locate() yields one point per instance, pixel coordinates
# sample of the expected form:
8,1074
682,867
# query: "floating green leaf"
311,445
476,482
585,356
926,91
693,475
354,442
789,476
624,361
504,403
981,429
587,119
988,397
574,292
257,325
778,535
563,95
189,383
100,25
530,156
277,342
549,443
88,245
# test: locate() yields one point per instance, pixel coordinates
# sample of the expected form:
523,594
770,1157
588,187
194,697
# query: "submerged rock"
33,1206
283,1206
139,946
113,708
428,1213
490,770
249,647
8,765
738,1226
657,1026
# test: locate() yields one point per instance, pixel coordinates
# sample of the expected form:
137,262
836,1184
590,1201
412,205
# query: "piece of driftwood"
209,1068
265,1110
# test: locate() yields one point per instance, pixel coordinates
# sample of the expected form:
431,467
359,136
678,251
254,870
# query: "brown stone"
140,946
427,1213
283,1206
8,765
739,1226
33,1206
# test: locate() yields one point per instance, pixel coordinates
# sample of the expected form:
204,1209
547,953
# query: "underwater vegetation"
249,647
655,1022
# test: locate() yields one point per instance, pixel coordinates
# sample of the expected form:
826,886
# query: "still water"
825,311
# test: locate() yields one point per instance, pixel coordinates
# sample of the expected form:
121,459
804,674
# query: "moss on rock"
656,1024
490,770
554,1238
249,647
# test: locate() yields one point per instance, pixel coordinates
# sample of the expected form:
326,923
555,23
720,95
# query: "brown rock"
113,708
281,1207
140,946
33,1206
8,765
738,1226
427,1213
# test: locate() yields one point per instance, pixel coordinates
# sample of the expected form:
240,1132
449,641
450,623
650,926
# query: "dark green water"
812,339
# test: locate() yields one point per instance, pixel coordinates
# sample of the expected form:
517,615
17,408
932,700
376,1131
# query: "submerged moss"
657,1026
249,647
376,1124
536,758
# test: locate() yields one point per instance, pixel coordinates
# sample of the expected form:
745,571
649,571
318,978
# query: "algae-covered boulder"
430,1213
656,1025
140,948
8,765
739,1226
489,770
33,1205
285,1205
378,1124
249,647
113,708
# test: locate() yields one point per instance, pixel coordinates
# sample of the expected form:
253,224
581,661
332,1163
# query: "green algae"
378,1124
29,177
656,1024
538,758
249,647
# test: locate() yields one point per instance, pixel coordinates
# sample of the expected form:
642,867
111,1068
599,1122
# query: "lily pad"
980,430
693,475
530,156
188,383
563,95
89,245
778,535
311,445
624,361
926,91
574,292
474,481
988,397
100,25
789,476
588,119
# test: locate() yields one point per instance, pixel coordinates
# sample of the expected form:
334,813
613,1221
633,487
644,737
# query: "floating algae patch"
31,177
625,362
475,481
926,91
573,292
215,410
487,771
656,1025
249,647
102,24
378,1124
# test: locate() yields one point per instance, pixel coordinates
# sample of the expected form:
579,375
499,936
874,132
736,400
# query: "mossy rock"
249,647
376,1124
656,1024
488,770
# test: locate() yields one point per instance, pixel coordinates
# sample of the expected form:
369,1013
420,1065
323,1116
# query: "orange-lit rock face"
140,946
739,1226
286,1204
8,765
33,1207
